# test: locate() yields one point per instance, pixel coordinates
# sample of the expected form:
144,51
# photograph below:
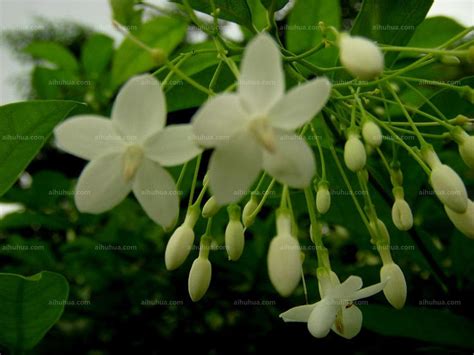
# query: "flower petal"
298,314
88,136
101,185
155,189
292,162
233,167
346,289
348,322
219,119
300,104
262,82
368,291
172,146
140,108
322,318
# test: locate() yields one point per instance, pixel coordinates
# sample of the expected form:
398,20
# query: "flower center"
131,161
263,132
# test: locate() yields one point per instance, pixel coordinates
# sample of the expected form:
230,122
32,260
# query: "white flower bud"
396,288
249,209
354,154
372,134
323,199
360,56
210,208
234,239
199,278
284,258
179,246
401,214
466,150
449,188
380,230
464,222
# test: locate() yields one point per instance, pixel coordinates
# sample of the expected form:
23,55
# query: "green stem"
195,176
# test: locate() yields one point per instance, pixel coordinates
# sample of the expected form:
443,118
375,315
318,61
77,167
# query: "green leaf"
123,12
96,54
436,326
30,307
303,31
259,14
164,33
231,10
24,128
53,53
274,4
390,22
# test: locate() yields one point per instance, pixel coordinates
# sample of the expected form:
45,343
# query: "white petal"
348,322
298,314
322,318
347,288
233,168
88,136
292,162
101,185
172,146
156,191
262,82
300,104
219,119
140,108
368,291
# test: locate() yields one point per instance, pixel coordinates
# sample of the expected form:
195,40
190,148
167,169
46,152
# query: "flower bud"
466,150
323,198
360,56
450,60
158,55
178,247
449,188
372,133
234,239
396,288
210,208
284,258
249,209
380,231
401,215
199,278
354,154
464,222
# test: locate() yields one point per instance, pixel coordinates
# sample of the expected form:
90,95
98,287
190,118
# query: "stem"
186,78
193,184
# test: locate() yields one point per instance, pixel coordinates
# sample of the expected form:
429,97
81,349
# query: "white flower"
355,156
127,152
360,56
253,129
335,310
396,289
463,221
284,258
199,278
449,188
466,150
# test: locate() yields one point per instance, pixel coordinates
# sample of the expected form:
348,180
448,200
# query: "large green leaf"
232,10
53,53
24,129
390,22
96,54
303,32
125,13
431,325
30,307
164,33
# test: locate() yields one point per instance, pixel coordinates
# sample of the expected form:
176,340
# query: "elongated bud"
450,60
464,222
199,278
354,154
372,133
449,188
380,231
234,234
210,208
466,150
323,198
395,290
249,209
284,259
181,241
360,56
401,215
